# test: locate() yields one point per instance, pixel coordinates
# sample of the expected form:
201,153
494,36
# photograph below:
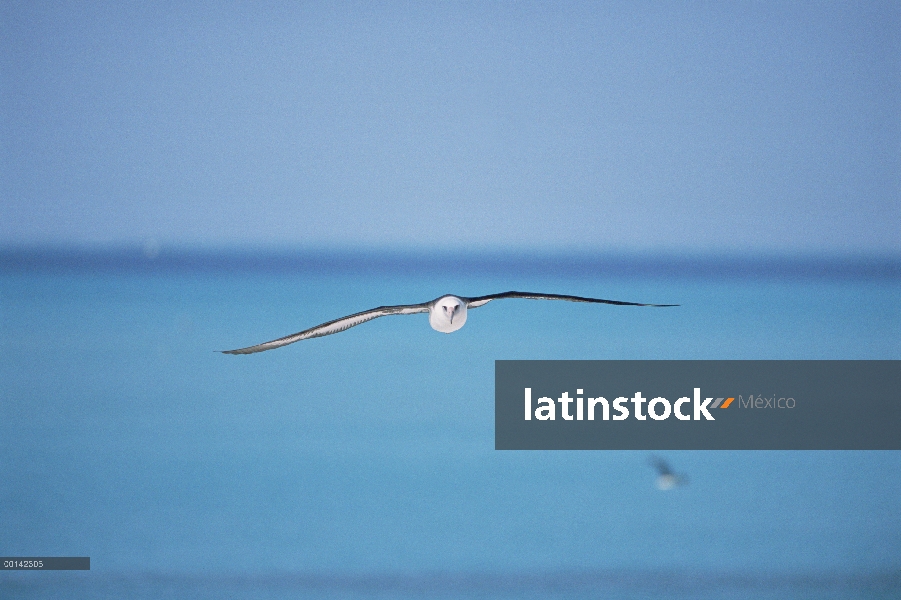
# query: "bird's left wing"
335,326
481,300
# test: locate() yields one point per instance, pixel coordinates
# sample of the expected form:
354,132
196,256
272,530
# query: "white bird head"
447,314
667,482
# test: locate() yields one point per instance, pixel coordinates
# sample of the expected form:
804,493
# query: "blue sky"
746,127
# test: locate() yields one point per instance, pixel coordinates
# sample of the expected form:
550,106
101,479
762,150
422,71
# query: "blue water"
363,464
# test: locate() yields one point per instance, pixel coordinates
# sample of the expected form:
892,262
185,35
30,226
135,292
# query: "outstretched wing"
335,326
479,301
661,465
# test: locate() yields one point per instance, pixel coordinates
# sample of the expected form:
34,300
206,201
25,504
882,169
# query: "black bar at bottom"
45,563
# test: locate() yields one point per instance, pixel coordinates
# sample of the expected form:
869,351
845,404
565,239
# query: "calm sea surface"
363,464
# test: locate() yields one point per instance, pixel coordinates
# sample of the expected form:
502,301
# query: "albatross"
446,314
666,478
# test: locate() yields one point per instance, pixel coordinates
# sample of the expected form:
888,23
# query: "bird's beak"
452,310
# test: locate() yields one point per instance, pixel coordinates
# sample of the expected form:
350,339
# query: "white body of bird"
447,314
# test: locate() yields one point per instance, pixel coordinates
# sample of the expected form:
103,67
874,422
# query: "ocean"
362,464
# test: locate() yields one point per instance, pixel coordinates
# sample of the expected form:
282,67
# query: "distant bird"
446,314
666,479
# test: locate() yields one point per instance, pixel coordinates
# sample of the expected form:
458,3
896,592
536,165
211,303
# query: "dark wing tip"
248,350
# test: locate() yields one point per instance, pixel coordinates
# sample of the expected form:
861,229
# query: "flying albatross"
666,478
446,314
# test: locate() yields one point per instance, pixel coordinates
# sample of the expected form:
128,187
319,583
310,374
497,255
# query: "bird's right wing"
335,326
661,465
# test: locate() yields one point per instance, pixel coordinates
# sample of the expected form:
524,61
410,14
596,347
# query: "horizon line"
144,258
